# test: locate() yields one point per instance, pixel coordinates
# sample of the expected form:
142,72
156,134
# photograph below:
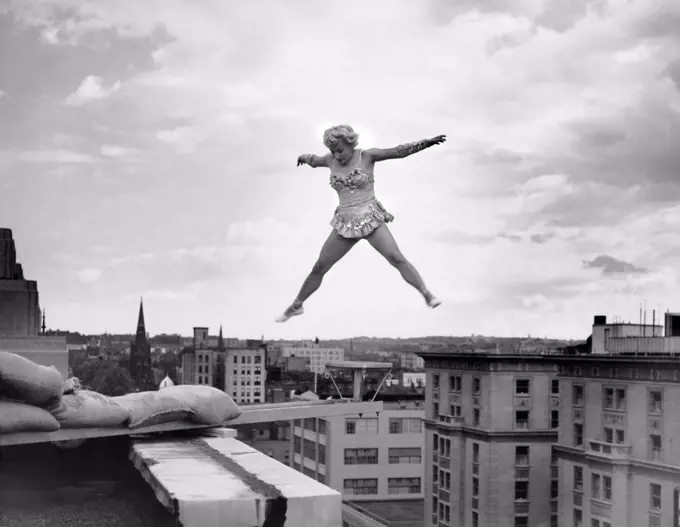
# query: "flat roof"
398,513
359,365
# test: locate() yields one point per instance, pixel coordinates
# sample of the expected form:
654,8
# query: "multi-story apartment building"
368,457
490,422
245,374
318,356
409,360
618,449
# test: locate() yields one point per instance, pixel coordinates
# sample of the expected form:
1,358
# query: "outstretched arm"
405,150
312,160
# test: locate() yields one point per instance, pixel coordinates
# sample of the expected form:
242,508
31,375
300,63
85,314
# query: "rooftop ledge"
215,480
255,413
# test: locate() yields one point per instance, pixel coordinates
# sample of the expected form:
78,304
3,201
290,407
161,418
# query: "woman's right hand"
303,160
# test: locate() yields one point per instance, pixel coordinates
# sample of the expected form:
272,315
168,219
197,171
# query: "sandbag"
87,409
19,417
210,405
25,381
153,408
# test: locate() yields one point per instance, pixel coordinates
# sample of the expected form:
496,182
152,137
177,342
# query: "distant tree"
104,377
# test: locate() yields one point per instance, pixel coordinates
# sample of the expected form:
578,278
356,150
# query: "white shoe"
434,302
290,313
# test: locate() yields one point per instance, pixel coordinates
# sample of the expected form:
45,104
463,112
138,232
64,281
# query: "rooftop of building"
548,357
398,513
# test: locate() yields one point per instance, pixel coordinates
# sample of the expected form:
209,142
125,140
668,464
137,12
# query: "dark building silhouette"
140,355
19,307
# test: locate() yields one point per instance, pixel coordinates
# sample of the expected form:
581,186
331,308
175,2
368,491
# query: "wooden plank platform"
251,414
217,481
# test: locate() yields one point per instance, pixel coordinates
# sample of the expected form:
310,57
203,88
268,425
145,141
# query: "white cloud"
184,139
89,275
116,151
91,89
56,156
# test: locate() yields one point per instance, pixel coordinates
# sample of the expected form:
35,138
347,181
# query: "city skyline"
151,153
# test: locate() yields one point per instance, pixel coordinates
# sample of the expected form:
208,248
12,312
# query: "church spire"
141,326
220,340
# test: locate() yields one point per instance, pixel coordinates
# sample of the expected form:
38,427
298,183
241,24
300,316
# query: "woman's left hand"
437,140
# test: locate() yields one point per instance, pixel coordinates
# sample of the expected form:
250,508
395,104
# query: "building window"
555,386
655,445
475,458
521,490
522,387
614,435
475,519
554,489
476,386
476,417
578,479
435,409
412,455
404,486
359,487
445,447
655,496
521,521
655,401
522,419
654,521
435,381
578,518
554,522
522,456
322,426
577,395
455,383
614,399
350,426
367,425
405,425
554,419
595,522
601,487
361,456
578,434
456,410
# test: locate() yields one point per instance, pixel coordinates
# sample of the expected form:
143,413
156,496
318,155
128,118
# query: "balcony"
610,450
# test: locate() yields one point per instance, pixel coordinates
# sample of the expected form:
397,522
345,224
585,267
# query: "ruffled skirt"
358,221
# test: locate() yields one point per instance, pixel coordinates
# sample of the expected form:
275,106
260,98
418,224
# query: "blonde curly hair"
341,132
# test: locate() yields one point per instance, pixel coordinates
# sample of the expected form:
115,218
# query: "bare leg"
382,241
334,248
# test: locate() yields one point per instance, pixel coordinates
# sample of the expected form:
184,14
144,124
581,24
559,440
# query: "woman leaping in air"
359,215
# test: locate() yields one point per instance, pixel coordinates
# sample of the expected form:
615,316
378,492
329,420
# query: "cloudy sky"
148,149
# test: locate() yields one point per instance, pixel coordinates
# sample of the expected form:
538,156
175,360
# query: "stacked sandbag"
25,381
153,408
87,409
20,417
25,389
209,405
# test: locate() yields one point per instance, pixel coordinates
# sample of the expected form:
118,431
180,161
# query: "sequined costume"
359,212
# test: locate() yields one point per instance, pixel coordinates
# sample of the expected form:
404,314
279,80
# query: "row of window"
369,486
614,398
522,386
601,487
248,359
369,456
369,425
